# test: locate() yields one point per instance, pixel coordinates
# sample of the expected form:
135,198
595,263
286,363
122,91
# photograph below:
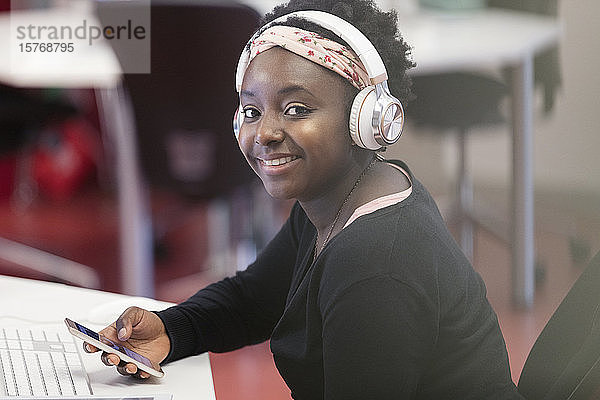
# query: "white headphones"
377,117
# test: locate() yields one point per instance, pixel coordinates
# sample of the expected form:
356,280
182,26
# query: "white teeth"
279,161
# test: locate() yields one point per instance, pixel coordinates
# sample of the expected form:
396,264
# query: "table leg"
135,232
523,189
465,198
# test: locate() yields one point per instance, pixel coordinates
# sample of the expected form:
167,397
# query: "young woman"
363,293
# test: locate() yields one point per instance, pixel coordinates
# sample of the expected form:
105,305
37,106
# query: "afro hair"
378,26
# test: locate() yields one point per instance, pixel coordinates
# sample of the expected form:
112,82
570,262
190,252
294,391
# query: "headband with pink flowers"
323,51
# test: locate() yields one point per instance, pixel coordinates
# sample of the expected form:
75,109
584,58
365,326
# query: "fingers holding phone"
124,368
135,344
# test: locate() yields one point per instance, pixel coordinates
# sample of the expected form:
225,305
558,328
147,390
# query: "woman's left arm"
377,337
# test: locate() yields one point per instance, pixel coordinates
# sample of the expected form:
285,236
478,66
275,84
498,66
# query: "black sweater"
391,309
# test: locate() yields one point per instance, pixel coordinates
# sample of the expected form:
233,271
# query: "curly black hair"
378,26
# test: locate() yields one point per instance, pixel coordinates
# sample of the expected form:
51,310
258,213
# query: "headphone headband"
359,43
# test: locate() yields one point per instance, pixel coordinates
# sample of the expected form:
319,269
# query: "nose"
269,131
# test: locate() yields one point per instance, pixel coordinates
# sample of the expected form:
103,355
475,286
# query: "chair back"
564,362
183,109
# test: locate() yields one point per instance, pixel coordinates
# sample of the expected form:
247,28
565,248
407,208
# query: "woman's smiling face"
295,130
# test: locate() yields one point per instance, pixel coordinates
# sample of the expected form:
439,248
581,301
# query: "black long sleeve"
236,311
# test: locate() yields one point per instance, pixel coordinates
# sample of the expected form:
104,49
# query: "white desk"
40,303
480,39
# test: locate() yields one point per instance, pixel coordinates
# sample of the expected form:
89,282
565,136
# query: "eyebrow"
294,88
285,90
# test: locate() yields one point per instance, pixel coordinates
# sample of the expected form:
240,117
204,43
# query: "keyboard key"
52,336
24,333
70,347
11,333
56,347
13,344
65,337
73,359
27,345
38,335
52,387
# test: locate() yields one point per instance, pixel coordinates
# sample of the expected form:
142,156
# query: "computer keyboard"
40,362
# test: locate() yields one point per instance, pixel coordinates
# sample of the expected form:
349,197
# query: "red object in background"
4,5
8,170
65,158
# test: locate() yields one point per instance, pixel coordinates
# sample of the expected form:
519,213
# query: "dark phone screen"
114,345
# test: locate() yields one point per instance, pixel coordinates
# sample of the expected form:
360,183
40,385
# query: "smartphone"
109,346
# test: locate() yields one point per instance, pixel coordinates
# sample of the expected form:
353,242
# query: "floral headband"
315,48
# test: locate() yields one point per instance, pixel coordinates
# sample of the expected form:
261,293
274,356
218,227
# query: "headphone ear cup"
238,119
361,116
392,121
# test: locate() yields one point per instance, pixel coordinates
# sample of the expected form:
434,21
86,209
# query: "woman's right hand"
139,330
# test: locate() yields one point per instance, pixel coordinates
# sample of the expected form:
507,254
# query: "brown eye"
251,112
297,110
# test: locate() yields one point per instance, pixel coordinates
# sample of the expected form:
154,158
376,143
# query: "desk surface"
28,302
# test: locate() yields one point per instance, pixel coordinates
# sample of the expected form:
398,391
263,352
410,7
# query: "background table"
476,40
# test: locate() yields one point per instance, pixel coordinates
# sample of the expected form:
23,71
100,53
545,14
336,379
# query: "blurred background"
61,189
